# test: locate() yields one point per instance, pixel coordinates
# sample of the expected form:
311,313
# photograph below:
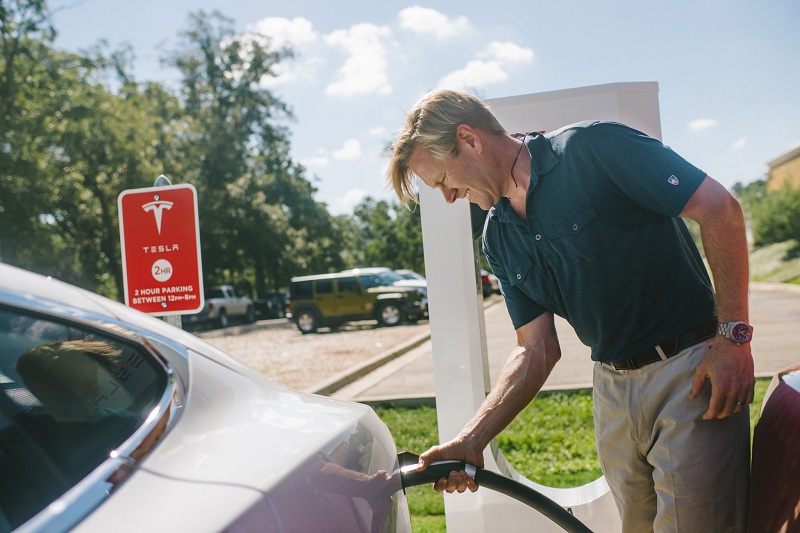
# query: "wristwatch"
738,332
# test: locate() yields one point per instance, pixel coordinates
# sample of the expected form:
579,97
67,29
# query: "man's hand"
457,449
730,369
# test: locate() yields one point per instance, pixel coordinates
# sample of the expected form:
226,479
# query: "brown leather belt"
670,347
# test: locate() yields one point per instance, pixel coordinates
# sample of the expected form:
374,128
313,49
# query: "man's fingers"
748,399
426,458
456,481
715,405
728,401
700,376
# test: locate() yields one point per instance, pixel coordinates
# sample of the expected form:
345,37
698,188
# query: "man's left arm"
728,366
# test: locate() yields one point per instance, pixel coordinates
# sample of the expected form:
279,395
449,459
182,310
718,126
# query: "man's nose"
450,195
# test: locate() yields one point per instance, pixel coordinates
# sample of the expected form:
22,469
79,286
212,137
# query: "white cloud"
346,203
379,130
489,67
425,20
296,33
477,73
739,144
508,53
320,159
350,151
364,71
285,32
702,124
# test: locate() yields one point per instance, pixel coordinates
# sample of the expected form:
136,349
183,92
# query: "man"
584,223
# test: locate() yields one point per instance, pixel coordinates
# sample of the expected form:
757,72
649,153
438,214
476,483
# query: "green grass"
550,442
778,262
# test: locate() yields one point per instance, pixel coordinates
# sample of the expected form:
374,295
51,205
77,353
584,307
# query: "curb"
346,377
412,401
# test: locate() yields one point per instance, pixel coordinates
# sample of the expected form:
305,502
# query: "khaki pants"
669,470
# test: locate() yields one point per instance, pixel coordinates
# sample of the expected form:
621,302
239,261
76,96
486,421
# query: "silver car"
112,420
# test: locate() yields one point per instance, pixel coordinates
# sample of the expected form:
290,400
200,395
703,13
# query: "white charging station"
458,338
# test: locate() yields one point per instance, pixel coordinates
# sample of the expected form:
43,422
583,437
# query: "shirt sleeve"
521,308
642,168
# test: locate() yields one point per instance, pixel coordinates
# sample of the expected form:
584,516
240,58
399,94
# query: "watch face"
740,333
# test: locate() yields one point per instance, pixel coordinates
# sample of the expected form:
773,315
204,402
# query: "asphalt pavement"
407,372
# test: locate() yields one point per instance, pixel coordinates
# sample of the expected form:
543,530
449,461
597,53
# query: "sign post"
160,237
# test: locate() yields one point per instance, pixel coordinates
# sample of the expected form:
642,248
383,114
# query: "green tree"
26,117
408,225
222,93
108,143
259,221
775,217
390,234
77,130
69,146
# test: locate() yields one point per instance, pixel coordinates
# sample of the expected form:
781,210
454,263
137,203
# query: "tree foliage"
78,129
390,235
773,216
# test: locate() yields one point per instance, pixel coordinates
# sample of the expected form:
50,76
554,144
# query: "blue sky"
728,70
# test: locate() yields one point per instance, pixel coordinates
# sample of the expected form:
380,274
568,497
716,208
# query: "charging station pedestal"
455,304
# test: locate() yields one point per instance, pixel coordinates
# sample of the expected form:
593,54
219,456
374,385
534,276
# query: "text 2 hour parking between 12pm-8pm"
159,233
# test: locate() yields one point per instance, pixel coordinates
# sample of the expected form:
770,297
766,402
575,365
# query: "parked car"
112,420
273,305
409,278
489,283
223,304
387,276
409,274
332,299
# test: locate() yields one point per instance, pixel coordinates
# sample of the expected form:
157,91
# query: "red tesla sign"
160,236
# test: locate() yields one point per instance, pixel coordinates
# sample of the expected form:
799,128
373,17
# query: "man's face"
456,177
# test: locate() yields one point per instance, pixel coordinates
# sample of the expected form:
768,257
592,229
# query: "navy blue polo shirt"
603,245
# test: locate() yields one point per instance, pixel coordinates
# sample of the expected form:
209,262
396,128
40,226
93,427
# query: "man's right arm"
522,377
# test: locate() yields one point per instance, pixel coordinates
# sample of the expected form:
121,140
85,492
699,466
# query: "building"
783,170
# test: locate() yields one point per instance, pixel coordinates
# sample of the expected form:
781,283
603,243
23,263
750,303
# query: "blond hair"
36,362
432,124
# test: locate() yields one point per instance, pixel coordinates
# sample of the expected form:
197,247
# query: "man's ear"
469,138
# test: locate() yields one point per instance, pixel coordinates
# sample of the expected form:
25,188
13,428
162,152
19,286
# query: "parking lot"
277,348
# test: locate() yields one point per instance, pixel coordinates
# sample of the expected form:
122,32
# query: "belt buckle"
624,365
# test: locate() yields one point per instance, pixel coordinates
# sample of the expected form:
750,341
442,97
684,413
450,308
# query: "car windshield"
380,279
214,293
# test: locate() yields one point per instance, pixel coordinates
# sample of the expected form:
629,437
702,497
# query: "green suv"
331,299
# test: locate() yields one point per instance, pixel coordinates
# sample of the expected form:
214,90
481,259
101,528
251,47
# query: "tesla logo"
157,207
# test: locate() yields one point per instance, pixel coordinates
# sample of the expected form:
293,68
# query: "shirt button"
574,227
538,237
519,276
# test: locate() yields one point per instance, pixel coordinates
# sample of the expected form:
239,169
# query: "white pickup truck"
223,303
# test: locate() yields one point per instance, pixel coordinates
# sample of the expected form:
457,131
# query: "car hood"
390,289
246,456
231,418
414,283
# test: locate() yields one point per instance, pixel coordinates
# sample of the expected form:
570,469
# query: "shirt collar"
543,160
